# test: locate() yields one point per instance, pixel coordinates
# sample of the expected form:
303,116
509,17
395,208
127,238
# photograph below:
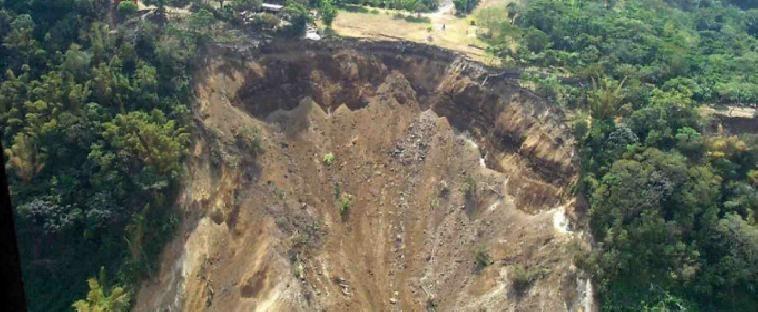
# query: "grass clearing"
380,24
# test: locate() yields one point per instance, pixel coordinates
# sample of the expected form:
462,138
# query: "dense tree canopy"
93,118
672,208
704,46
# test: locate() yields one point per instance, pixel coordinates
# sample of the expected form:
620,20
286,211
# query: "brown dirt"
409,126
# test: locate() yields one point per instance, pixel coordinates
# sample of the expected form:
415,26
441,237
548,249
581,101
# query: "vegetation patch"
415,6
672,206
249,140
345,203
328,159
413,18
522,277
482,259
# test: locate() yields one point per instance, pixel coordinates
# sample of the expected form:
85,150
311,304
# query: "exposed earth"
392,176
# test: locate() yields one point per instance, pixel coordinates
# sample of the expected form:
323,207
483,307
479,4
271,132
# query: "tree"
298,16
102,300
126,8
327,11
512,9
76,62
201,24
689,141
463,7
19,42
605,98
48,214
25,157
419,8
581,129
144,140
245,5
87,154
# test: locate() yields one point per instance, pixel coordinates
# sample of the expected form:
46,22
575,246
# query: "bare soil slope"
442,163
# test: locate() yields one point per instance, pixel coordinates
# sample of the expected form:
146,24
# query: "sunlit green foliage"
93,124
327,12
672,208
102,300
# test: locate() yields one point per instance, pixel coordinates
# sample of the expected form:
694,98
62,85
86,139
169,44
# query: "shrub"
463,7
469,186
417,19
248,139
127,7
327,11
356,8
266,20
298,16
522,278
246,5
329,159
481,259
581,129
345,202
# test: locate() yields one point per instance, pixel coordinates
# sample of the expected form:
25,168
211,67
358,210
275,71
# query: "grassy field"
459,33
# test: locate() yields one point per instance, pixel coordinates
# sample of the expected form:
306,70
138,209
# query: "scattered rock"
345,291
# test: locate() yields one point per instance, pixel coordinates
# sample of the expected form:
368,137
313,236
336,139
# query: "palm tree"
605,97
98,300
25,158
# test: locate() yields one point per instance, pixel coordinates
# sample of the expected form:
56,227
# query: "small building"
271,8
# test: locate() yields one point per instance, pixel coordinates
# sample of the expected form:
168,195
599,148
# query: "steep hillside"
390,176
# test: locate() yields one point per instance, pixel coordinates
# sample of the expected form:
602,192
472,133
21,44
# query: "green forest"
95,116
672,205
94,120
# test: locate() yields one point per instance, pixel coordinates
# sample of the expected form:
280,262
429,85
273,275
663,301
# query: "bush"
298,16
345,202
417,19
127,8
522,278
266,21
329,159
356,8
481,259
248,139
463,7
246,5
469,186
535,40
581,129
327,11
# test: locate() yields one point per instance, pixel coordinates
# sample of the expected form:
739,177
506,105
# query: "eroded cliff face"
442,163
